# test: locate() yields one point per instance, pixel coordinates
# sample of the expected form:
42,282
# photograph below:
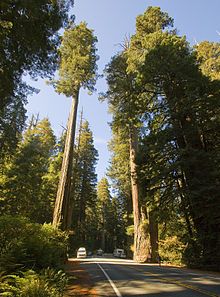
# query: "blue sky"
112,21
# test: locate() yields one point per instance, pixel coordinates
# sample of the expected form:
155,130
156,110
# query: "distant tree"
119,174
104,208
51,179
77,70
21,183
119,169
83,191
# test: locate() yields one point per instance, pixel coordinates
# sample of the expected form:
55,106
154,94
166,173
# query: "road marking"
110,281
167,280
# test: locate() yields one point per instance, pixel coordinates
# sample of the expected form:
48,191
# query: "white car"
81,252
119,253
99,252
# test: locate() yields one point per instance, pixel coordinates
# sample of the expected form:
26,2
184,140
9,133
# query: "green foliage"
27,245
178,162
109,217
77,60
208,55
22,182
77,69
34,56
171,250
47,283
156,85
124,104
119,170
84,188
153,19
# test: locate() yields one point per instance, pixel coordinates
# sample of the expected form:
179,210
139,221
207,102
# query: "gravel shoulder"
80,283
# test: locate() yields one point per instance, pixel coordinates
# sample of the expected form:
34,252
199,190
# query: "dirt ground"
79,281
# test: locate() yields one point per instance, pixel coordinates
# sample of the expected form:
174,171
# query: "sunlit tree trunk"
73,183
103,234
141,228
60,216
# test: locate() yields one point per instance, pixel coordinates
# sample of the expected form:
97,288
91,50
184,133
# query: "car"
119,253
123,255
81,252
99,252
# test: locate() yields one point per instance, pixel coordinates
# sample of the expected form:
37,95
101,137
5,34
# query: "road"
122,278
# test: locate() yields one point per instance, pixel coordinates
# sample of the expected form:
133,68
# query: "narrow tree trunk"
141,242
103,228
63,193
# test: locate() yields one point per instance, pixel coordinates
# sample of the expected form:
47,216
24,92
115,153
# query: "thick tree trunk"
141,238
60,216
185,203
153,225
73,184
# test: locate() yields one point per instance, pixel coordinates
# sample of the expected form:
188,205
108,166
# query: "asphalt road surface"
122,278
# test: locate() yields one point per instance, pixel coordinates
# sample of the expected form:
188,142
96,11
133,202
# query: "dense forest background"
160,196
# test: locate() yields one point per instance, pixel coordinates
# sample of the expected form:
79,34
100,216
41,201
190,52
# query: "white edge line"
110,281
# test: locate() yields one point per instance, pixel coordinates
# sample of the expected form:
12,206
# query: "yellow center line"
166,280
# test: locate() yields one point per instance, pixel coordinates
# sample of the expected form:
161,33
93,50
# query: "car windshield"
81,249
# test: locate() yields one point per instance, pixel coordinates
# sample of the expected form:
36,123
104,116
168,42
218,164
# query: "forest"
160,196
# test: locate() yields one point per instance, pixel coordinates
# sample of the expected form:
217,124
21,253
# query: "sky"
113,21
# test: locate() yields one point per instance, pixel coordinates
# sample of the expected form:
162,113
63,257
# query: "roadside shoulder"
80,283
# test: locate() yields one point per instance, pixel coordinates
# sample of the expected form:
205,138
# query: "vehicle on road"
99,252
119,253
81,252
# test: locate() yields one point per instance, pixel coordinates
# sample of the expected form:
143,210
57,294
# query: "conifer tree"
103,204
21,54
21,183
119,174
164,62
83,191
123,98
77,70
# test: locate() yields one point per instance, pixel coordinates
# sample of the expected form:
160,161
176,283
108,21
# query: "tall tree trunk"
62,203
73,184
185,203
103,239
153,225
141,238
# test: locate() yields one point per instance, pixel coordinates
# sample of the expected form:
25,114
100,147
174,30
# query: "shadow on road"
132,279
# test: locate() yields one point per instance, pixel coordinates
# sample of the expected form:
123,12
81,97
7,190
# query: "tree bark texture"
141,238
153,225
73,183
60,215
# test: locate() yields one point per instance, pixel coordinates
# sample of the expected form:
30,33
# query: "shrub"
26,245
49,283
171,250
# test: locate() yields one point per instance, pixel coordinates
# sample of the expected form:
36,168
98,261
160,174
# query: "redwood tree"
77,70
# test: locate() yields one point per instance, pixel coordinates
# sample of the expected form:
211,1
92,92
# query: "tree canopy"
22,55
